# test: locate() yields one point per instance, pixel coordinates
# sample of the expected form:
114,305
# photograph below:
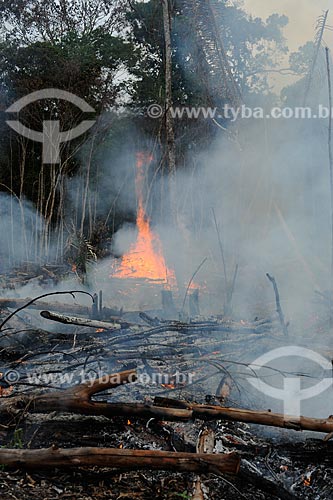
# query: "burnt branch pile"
63,377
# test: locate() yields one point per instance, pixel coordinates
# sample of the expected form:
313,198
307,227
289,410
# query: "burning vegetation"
145,259
163,261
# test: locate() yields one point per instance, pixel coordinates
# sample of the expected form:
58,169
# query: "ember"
6,391
169,386
166,251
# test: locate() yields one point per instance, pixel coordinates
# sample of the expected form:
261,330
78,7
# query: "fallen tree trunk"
77,400
121,459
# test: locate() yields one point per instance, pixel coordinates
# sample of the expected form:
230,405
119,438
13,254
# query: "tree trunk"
169,125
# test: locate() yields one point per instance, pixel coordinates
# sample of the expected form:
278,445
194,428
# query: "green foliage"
109,52
49,20
17,441
252,46
84,64
183,495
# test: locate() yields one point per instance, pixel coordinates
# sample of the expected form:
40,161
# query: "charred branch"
70,320
77,399
278,305
57,307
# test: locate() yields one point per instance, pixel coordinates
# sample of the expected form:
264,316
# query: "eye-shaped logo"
291,394
51,137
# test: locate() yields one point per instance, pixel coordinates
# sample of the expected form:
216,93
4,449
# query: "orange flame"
307,481
168,386
145,258
6,392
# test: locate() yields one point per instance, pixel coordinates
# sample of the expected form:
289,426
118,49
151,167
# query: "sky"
302,15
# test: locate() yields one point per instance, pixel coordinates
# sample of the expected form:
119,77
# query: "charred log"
121,459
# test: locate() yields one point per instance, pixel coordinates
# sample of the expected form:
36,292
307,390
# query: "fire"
100,330
6,392
307,482
145,258
129,422
307,479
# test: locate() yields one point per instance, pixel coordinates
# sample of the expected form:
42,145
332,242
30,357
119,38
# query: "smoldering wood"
149,320
225,326
205,445
278,304
230,292
196,330
207,412
77,399
168,303
206,441
94,307
194,303
224,388
198,493
134,333
253,476
71,320
121,459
